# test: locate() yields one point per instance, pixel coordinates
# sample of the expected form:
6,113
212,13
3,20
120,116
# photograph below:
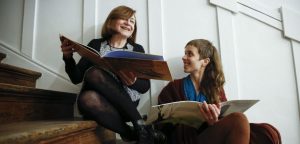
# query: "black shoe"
143,134
147,134
130,136
158,136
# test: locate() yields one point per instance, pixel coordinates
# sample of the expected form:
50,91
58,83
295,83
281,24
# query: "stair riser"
14,78
20,111
24,104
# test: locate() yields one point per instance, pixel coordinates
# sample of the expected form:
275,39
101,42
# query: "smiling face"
191,60
121,21
124,27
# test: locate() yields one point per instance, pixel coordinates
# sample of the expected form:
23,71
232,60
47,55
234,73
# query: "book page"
188,112
78,46
231,106
183,112
87,52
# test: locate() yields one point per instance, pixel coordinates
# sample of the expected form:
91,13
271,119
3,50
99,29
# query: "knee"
239,121
94,75
88,99
238,117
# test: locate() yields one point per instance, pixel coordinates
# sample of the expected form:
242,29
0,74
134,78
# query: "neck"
117,41
196,78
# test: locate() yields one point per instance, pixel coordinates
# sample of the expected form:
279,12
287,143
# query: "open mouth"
126,28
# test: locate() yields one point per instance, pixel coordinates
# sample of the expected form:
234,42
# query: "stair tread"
31,131
24,90
18,76
20,70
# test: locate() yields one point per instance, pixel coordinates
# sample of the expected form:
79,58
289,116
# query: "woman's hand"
210,112
128,78
67,49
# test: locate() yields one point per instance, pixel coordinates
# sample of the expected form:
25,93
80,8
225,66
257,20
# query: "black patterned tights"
104,100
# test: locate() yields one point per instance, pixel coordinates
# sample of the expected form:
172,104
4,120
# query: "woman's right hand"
210,112
67,49
128,78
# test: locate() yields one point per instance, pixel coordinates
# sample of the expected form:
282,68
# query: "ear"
206,61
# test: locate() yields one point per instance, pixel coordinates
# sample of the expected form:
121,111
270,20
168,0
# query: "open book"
142,65
188,112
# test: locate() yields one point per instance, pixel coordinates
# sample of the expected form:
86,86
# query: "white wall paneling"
29,25
230,5
259,15
262,8
291,22
11,17
296,56
227,51
155,32
89,20
247,38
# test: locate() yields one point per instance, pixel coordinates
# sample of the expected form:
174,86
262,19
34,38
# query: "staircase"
36,116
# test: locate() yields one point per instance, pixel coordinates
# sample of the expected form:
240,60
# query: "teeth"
125,28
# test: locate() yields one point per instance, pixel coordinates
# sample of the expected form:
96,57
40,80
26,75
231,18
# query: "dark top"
179,133
76,71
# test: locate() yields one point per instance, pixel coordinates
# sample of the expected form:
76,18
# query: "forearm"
72,70
141,85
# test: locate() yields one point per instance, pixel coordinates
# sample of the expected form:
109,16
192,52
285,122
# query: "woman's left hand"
128,78
210,112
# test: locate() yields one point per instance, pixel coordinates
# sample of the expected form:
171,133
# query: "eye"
188,53
132,21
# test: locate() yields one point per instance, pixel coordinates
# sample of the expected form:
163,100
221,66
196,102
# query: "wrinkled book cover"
142,65
188,112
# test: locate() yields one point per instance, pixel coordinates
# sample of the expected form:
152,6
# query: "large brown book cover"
146,66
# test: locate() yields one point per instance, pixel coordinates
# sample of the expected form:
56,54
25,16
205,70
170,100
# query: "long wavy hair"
213,79
120,12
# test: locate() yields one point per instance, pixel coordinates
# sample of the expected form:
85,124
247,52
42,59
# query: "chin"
185,70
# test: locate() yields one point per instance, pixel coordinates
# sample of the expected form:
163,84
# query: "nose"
184,57
126,22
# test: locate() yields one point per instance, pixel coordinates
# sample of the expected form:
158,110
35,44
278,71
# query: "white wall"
258,42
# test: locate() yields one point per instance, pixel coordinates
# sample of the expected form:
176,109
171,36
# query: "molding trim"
256,6
89,20
252,9
8,49
228,51
28,30
155,31
155,28
291,22
296,58
230,5
259,15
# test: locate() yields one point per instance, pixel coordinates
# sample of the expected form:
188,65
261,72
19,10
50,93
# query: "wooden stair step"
55,132
18,76
20,103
